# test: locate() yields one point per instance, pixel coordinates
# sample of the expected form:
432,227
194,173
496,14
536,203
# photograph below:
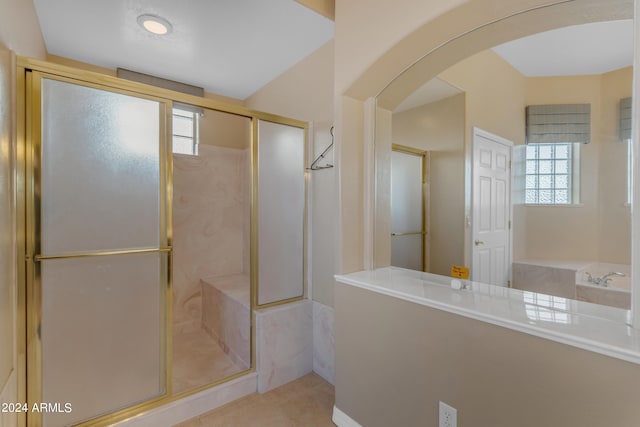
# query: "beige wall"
224,130
568,232
305,92
438,127
375,41
365,29
495,93
20,28
599,228
614,230
397,359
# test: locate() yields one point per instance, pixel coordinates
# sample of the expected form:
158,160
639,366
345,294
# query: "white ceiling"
594,48
432,91
229,47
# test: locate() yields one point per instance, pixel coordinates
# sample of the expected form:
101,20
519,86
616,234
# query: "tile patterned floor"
305,402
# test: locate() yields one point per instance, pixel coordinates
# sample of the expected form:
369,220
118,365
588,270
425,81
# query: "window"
551,174
185,131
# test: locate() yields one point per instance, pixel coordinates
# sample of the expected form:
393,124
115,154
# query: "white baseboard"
343,420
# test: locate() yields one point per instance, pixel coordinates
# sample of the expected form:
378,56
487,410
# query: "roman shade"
625,119
561,123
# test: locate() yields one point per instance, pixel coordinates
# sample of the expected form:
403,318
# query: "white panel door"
491,209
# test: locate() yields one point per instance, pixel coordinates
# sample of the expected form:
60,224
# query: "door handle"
479,242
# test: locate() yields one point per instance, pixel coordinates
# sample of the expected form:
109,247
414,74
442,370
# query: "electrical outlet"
448,416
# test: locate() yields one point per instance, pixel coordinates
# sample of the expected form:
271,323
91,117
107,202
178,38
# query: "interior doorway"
491,209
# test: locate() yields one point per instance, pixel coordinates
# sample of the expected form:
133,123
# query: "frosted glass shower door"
281,210
100,246
407,210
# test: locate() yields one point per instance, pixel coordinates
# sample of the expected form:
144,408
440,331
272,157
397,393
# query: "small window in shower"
551,174
185,130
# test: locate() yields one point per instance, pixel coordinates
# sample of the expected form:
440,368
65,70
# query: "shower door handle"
39,257
410,233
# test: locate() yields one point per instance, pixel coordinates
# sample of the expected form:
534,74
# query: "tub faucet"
604,279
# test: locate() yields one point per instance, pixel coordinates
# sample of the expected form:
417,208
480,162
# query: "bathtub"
617,293
568,279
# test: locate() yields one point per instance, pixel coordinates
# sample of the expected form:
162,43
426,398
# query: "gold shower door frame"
30,71
255,185
425,160
33,257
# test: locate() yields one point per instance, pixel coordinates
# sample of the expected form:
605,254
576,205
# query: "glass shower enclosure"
408,208
155,223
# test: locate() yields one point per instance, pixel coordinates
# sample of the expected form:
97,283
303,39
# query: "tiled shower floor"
198,360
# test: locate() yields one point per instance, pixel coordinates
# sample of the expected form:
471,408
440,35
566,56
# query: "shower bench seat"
226,316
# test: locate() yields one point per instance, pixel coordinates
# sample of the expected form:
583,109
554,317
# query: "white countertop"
598,328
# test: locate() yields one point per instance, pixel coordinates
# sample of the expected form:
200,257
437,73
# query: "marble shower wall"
323,341
211,203
284,340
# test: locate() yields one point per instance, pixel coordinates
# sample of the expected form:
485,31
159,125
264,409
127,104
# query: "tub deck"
568,279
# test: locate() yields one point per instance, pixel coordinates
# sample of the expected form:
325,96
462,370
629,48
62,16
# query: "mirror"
566,249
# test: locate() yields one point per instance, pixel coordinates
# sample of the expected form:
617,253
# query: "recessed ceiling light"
155,24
